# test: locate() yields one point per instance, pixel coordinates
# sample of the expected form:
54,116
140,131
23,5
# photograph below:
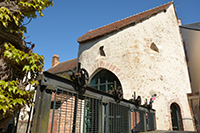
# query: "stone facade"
148,58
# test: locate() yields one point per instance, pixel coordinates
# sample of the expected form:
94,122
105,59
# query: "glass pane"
103,77
103,87
103,80
94,80
111,77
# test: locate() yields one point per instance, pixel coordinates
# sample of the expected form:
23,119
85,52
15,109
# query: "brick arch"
109,66
176,101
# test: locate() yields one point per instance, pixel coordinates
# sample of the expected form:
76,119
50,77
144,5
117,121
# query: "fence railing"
64,107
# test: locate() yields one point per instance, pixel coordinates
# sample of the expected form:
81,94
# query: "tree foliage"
19,66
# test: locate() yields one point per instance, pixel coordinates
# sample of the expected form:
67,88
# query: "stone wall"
148,58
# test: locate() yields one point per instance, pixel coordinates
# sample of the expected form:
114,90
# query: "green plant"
19,66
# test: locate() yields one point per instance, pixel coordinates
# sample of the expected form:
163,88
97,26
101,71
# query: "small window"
104,80
101,51
154,47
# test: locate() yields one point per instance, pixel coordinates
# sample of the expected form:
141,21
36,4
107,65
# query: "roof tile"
121,23
63,66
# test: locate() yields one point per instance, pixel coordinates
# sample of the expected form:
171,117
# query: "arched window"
176,118
103,80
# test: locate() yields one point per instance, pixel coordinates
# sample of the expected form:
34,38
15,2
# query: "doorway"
176,117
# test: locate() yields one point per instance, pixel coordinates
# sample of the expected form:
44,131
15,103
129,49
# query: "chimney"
42,70
55,60
179,22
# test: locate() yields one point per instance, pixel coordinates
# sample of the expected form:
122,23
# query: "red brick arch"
111,67
177,101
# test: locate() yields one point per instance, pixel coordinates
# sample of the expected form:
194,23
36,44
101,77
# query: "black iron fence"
63,106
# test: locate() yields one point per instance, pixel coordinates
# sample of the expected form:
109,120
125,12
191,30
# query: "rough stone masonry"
148,58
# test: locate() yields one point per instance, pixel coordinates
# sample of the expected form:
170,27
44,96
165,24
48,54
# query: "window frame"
107,83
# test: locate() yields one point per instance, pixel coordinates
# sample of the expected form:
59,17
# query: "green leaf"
7,17
5,85
2,96
6,46
5,24
10,89
26,68
14,89
33,67
4,109
34,82
20,101
2,82
7,54
14,102
10,93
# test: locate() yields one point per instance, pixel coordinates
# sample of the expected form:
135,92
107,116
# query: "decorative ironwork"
59,107
151,101
80,76
137,101
117,92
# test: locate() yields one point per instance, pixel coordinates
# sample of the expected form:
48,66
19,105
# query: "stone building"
144,54
191,38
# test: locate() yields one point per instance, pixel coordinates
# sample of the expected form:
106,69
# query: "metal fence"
64,107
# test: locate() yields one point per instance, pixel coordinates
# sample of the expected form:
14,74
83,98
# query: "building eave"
116,26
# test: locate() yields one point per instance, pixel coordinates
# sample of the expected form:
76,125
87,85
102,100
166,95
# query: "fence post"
129,120
145,122
154,120
75,114
41,115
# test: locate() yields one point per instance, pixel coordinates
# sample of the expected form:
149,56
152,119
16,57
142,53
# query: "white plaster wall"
143,70
192,43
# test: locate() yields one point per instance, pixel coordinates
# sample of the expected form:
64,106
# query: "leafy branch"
13,92
19,66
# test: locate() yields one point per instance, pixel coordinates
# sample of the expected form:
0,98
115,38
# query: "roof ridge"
129,16
62,63
67,60
191,23
114,26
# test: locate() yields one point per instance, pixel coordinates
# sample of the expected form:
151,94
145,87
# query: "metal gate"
62,106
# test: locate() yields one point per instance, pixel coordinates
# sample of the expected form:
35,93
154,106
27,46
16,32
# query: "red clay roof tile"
63,66
121,23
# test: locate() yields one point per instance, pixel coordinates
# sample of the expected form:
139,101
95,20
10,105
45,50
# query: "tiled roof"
121,23
193,26
63,66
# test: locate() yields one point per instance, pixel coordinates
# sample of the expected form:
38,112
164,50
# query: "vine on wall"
19,66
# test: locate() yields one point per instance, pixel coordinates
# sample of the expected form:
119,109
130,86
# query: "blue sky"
57,32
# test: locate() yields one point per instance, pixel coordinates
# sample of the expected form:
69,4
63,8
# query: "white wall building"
145,52
191,38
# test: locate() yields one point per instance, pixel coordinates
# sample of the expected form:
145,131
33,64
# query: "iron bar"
66,111
75,114
93,111
60,110
53,111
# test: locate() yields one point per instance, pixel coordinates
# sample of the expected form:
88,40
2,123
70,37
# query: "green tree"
17,60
